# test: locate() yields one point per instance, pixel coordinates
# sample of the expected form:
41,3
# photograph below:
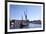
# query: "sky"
17,11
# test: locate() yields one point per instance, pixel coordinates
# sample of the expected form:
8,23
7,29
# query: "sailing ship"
19,23
26,20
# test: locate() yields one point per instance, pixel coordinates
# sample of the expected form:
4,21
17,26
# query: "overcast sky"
33,12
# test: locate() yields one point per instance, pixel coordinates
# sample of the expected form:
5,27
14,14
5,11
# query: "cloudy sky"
33,12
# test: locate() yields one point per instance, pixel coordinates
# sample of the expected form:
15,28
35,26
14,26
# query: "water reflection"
30,25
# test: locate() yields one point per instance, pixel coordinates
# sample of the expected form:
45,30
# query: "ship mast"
25,13
22,17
